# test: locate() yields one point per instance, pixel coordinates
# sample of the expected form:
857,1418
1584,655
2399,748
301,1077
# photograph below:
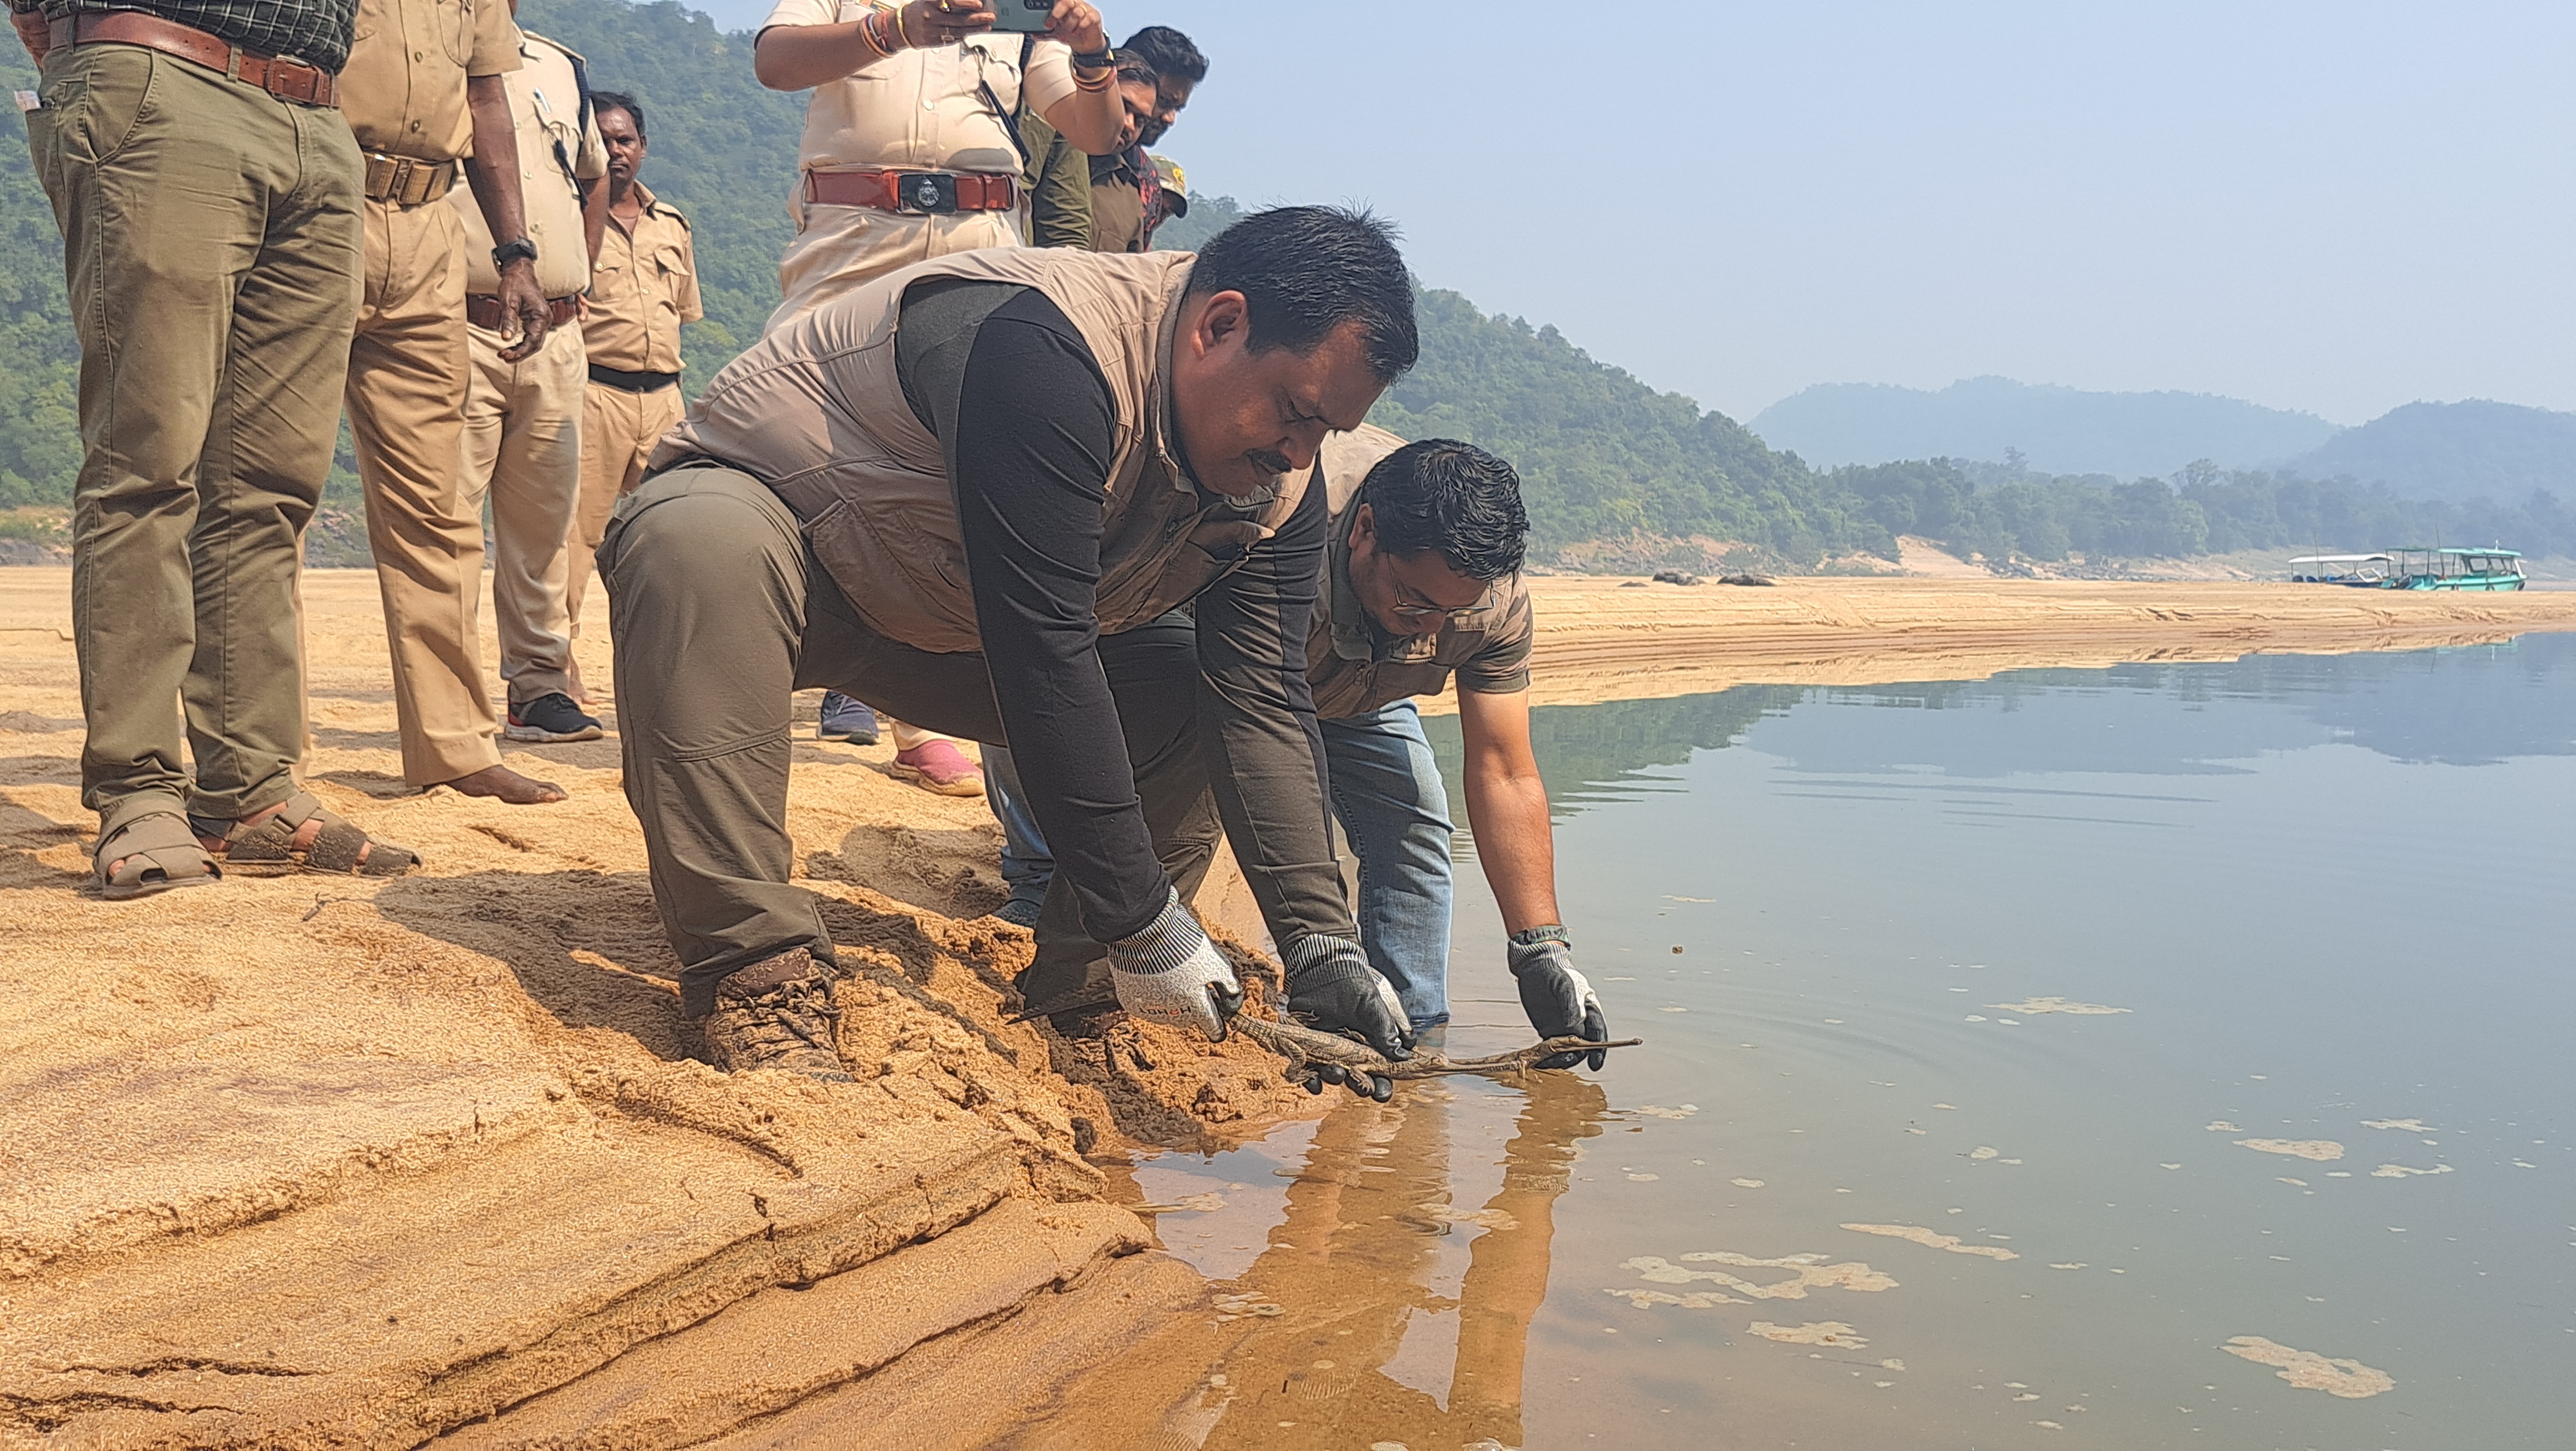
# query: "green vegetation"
1619,475
2454,451
39,359
2005,510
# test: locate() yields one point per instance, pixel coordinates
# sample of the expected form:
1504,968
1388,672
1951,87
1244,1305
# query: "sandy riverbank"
307,1161
1609,639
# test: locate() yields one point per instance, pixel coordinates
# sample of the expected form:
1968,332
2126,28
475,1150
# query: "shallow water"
2322,894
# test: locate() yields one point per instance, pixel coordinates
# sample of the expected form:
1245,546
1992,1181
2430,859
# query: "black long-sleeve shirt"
1028,423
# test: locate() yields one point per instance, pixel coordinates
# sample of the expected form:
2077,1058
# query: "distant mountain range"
2450,452
2454,452
2055,430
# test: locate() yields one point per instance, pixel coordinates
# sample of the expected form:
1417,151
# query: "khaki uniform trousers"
618,430
719,614
408,372
522,449
211,245
837,248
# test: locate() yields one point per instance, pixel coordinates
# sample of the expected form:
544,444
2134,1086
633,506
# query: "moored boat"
2456,568
2366,571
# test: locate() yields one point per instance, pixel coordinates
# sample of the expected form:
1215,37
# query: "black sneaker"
551,718
844,719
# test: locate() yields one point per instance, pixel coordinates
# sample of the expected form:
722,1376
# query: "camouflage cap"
1176,186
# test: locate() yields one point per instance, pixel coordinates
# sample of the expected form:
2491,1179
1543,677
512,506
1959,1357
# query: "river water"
2191,1044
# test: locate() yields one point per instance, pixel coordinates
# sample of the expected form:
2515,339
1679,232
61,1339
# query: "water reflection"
1391,1303
2470,706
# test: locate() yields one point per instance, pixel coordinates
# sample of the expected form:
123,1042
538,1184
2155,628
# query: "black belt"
632,382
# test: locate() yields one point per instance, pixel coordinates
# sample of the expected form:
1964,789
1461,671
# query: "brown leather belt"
914,193
288,80
485,311
407,182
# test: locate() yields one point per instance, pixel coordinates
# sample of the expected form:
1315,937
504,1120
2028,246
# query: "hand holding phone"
1023,16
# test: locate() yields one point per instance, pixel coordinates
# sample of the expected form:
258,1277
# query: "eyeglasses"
1413,611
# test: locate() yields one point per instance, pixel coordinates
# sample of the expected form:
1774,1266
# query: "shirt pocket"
455,22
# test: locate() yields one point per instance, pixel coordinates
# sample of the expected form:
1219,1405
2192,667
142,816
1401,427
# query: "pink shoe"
939,767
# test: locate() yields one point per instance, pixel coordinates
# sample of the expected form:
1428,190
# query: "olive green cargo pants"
211,239
719,615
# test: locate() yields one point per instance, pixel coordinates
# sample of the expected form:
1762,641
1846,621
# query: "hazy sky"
2335,207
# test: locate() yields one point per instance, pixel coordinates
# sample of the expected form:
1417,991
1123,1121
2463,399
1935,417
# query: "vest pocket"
903,573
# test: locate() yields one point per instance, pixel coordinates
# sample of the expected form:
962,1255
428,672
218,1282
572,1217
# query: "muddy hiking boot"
777,1014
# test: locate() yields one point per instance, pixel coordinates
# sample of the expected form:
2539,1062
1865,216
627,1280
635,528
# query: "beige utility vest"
816,412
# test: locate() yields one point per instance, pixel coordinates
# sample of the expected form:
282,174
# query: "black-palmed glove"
1172,974
1557,998
1332,987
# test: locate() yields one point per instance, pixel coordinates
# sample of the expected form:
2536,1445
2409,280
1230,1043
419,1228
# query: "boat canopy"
2340,559
2457,550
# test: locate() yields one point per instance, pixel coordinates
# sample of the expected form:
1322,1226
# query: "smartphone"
1022,15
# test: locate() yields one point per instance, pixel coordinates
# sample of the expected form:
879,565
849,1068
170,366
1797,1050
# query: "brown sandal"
157,853
267,846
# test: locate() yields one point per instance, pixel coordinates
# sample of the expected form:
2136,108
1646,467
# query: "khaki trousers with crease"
522,449
618,431
408,372
211,246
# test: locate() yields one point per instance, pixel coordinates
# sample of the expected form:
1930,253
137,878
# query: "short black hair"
1169,52
620,101
1454,497
1133,67
1307,271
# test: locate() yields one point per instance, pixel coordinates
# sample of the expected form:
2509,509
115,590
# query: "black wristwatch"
1098,60
509,252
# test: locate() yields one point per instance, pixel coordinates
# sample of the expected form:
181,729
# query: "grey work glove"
1170,973
1332,987
1557,998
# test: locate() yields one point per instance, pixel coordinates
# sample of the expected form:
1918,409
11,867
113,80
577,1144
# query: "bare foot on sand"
505,785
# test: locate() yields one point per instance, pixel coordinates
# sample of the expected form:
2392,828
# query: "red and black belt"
914,193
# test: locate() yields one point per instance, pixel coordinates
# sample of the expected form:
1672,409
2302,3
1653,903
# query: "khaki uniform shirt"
1353,666
922,108
815,410
1118,205
645,286
545,104
403,89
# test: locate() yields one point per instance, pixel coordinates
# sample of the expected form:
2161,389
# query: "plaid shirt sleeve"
315,31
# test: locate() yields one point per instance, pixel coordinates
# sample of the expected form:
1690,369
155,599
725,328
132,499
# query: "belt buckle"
925,193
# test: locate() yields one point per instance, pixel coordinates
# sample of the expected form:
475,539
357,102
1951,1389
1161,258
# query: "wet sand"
316,1161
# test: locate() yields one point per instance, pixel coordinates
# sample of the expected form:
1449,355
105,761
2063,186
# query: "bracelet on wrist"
1093,84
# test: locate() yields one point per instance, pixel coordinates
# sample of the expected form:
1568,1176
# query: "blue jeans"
1388,796
1027,865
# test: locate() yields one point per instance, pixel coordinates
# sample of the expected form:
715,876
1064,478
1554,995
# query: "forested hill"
2064,430
2456,451
1618,473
